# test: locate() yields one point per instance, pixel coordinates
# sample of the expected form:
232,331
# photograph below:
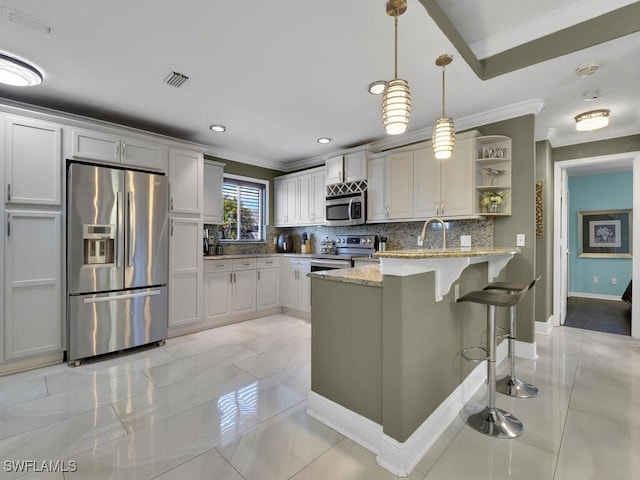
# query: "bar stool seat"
510,384
488,419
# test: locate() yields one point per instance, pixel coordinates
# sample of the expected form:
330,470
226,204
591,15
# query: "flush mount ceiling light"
218,128
587,69
444,133
324,140
377,87
396,100
592,120
17,73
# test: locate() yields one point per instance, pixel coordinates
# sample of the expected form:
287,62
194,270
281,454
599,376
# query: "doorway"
562,171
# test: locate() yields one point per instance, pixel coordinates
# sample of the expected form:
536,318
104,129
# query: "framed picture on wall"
604,234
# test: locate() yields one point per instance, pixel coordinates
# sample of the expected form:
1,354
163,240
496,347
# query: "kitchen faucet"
423,235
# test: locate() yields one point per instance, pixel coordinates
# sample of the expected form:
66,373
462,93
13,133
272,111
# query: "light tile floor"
229,404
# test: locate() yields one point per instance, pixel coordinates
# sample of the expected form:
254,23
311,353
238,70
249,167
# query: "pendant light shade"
396,100
396,106
444,132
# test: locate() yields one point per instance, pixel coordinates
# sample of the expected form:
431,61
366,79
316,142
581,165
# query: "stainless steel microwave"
345,210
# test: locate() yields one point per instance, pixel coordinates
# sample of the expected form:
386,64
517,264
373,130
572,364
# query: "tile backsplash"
400,235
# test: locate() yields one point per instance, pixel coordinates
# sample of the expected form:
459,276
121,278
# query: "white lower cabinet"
268,289
33,285
296,292
185,277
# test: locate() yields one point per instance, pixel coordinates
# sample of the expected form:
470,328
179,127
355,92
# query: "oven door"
345,210
320,264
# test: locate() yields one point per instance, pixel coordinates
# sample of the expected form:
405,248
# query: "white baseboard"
596,295
526,350
400,458
545,327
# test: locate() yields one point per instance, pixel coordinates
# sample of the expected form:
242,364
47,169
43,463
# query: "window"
244,209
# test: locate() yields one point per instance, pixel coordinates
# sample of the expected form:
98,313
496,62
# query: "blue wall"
611,191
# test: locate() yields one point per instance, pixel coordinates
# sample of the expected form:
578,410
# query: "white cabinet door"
244,291
33,162
218,296
287,200
90,145
311,190
290,285
319,196
355,166
296,293
334,169
213,179
426,182
185,181
146,155
304,288
400,185
280,196
376,204
185,280
268,295
457,180
33,287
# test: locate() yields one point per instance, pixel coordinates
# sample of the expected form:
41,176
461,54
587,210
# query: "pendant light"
396,100
444,133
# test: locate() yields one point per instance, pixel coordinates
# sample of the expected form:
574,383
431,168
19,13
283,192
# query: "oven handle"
331,263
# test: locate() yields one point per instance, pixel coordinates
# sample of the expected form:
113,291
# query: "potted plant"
492,201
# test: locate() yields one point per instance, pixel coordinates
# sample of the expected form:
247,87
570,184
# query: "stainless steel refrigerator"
117,259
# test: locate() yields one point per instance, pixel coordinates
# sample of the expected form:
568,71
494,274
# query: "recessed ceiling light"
218,128
17,73
592,120
324,140
377,87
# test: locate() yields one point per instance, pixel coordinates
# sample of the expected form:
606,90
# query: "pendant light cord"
395,56
443,90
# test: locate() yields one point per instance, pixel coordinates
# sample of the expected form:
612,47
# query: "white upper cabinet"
457,174
185,181
311,188
104,147
376,190
346,168
399,185
426,183
32,162
213,179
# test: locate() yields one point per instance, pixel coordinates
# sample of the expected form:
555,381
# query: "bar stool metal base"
514,387
492,421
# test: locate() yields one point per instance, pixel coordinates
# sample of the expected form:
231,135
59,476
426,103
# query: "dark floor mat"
609,316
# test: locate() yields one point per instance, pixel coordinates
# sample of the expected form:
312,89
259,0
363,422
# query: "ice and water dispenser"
98,244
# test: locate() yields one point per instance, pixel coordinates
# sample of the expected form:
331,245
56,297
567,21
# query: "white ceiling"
280,74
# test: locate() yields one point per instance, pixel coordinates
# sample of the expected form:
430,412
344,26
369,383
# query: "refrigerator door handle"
130,229
118,229
125,296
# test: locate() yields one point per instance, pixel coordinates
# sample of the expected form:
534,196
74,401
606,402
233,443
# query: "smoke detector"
587,69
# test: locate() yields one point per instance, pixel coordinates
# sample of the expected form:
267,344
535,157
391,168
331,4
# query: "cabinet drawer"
244,264
268,262
217,265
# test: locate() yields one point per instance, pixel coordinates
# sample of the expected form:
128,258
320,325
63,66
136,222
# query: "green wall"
253,171
544,245
596,149
522,220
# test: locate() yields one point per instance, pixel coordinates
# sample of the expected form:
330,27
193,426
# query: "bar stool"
488,419
510,384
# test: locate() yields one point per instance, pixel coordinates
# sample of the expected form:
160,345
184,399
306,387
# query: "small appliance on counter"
382,244
285,243
328,246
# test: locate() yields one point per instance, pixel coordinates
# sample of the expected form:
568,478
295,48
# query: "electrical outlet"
465,240
614,281
595,279
520,240
419,241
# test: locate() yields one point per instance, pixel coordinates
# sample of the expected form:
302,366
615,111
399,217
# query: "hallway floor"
229,404
609,316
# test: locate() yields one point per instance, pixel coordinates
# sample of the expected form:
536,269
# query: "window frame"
259,181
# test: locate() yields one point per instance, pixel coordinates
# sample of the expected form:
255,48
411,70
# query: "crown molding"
559,19
594,136
237,157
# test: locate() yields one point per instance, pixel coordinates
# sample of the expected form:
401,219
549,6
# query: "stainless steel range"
340,251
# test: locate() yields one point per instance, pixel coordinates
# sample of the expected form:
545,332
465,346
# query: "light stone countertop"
418,253
254,255
370,276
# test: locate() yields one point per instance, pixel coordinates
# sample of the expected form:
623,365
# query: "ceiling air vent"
176,79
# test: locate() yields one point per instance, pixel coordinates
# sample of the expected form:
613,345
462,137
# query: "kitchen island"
386,368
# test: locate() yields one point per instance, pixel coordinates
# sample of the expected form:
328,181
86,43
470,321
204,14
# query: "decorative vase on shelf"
493,207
